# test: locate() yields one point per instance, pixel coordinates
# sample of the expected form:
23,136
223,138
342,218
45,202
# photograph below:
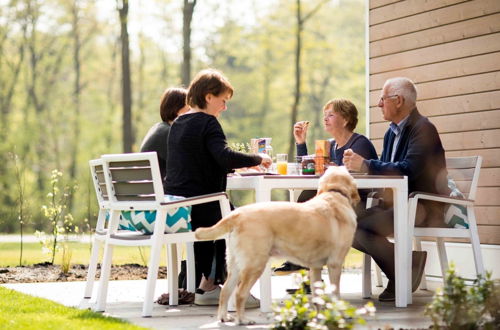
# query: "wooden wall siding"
451,49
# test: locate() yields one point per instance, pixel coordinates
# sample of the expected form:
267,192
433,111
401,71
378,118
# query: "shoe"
287,268
207,298
417,268
389,294
417,271
184,298
252,302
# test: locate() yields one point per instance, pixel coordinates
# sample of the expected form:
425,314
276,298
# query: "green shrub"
458,306
321,311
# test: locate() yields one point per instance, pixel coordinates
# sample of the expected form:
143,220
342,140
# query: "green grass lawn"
20,311
32,254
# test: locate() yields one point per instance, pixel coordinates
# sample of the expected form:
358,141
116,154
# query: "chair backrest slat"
465,172
133,188
133,163
131,174
461,162
135,198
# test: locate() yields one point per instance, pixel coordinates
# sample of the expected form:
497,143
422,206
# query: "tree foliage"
61,80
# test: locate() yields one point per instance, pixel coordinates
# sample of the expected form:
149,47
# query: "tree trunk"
266,97
298,52
186,37
140,104
128,134
77,87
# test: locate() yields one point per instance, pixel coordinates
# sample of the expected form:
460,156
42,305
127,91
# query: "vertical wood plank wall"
451,50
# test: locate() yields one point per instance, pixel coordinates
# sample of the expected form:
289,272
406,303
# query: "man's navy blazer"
419,155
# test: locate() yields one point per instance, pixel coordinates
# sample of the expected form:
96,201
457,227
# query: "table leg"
264,195
402,247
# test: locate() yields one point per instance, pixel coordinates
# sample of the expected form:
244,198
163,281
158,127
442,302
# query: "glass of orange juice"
281,163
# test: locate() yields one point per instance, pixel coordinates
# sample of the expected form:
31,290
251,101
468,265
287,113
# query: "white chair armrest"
197,200
416,195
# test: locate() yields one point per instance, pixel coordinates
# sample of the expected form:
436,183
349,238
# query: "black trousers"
206,215
377,223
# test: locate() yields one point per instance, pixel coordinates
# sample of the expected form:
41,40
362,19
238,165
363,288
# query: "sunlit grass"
32,254
21,311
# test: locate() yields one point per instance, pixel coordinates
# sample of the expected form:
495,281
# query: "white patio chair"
97,174
133,182
465,172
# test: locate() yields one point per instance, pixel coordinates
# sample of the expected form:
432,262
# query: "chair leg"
172,275
191,271
418,247
443,258
154,264
378,273
102,292
474,239
94,258
367,277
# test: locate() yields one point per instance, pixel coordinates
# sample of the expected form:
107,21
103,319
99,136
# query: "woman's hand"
300,131
266,160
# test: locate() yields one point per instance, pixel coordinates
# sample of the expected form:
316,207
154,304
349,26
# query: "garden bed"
45,272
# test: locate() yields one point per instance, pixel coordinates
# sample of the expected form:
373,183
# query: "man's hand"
300,131
353,161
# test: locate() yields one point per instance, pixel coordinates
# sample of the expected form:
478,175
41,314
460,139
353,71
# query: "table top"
304,177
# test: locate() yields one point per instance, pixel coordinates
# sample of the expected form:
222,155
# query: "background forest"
80,78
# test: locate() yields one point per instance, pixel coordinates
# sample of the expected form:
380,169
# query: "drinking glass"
281,163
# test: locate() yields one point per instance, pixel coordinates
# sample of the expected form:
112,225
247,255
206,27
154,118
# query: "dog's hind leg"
248,278
227,290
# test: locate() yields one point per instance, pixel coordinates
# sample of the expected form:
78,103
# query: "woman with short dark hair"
198,162
172,104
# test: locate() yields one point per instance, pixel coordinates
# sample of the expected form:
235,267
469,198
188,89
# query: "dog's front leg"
315,276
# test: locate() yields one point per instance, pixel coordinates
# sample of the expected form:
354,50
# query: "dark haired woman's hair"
346,109
172,100
206,82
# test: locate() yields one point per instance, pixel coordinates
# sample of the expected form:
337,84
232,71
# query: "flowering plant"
321,311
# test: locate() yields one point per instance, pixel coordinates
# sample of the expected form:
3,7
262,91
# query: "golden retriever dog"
315,233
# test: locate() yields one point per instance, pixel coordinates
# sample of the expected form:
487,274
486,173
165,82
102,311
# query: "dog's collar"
340,192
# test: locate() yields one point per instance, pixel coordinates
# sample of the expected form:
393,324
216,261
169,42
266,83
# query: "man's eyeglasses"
383,98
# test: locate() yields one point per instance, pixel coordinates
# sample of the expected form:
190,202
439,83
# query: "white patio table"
264,184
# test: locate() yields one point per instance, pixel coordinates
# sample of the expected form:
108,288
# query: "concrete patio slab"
125,302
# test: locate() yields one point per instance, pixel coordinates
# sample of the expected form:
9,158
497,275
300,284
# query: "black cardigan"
198,156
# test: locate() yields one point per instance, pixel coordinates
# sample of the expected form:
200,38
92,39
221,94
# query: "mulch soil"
46,272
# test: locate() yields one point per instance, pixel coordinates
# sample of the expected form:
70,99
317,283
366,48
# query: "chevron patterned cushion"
455,215
178,220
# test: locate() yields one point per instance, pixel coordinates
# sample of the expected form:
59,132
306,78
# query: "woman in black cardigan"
198,162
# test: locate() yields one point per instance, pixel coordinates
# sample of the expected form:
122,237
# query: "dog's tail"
220,228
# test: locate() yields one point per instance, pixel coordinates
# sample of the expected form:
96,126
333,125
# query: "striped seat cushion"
178,220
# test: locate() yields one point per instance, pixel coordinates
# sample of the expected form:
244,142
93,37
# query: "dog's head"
337,178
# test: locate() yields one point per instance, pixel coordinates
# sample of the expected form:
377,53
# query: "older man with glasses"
412,147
